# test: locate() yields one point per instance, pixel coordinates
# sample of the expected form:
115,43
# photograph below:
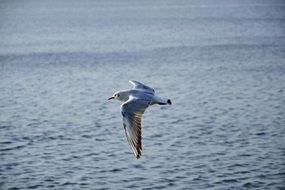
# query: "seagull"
135,101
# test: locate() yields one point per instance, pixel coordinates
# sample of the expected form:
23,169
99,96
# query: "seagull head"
118,96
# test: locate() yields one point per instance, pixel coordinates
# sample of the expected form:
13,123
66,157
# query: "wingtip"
169,102
138,153
133,81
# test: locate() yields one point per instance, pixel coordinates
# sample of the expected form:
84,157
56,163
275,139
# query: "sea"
221,62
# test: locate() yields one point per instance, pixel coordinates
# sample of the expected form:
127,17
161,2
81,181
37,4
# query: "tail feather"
165,102
160,101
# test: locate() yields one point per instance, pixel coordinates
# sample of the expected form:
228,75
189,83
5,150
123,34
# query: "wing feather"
138,85
132,112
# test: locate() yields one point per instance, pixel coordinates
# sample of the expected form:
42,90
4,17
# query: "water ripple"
225,129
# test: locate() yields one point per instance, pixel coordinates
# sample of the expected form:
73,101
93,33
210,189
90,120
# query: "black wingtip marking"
123,114
169,102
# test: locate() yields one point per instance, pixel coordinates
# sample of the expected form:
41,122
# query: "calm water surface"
222,64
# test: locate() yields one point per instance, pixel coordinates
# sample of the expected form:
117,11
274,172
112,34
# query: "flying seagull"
135,101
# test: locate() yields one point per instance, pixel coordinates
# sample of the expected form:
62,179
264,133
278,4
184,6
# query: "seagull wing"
132,112
138,85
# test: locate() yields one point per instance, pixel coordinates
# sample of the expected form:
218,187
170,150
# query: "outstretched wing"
132,112
138,85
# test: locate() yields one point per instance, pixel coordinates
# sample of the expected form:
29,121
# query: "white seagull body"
135,101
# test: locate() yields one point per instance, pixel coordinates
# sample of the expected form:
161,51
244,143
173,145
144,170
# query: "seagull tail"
161,101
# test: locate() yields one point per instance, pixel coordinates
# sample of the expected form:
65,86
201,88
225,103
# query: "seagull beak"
112,97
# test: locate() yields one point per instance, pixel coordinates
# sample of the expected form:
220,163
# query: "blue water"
222,64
